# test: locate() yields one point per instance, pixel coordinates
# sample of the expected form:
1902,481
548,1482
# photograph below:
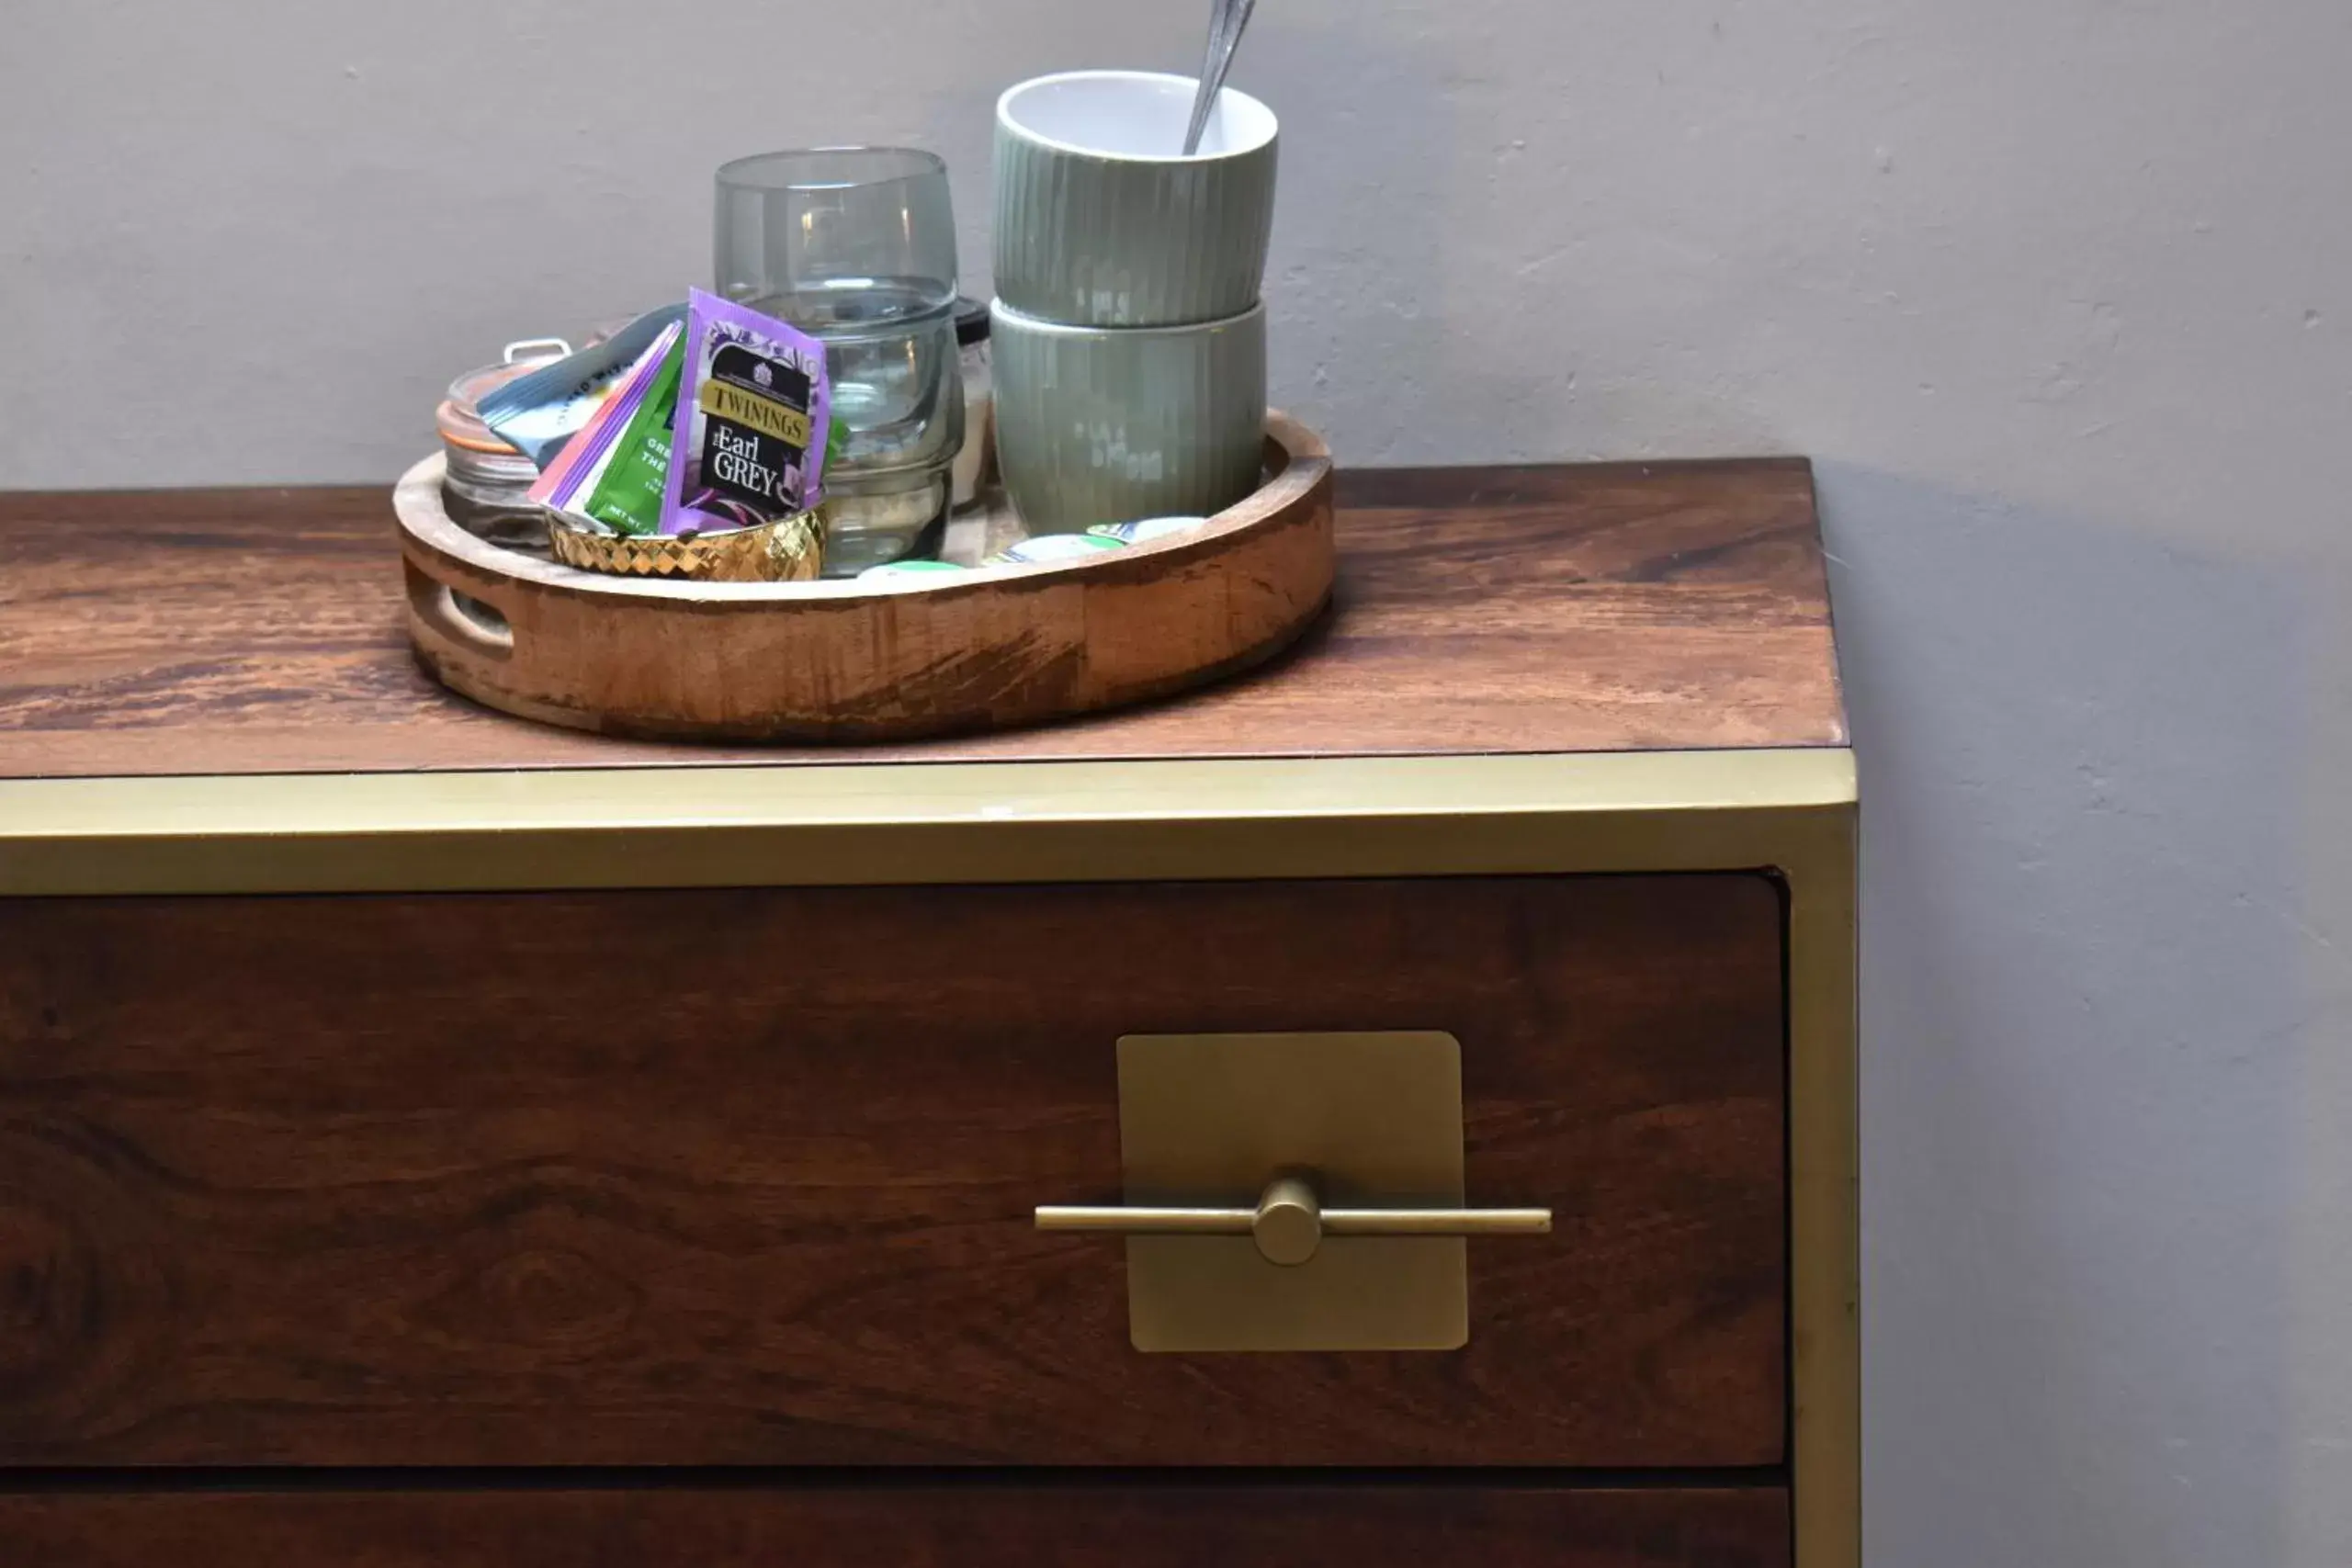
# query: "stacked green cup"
1128,336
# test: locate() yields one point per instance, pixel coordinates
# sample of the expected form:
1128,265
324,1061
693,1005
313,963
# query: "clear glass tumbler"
856,246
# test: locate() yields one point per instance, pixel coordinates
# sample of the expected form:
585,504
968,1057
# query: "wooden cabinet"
436,1178
917,1524
429,1139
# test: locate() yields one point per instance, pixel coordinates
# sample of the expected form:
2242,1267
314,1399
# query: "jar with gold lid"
485,480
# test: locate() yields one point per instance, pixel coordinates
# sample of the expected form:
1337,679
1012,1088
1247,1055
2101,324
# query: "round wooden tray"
887,659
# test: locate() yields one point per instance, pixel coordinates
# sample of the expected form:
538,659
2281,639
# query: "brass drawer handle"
1290,1221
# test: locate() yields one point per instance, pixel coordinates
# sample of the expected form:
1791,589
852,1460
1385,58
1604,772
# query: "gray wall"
2058,292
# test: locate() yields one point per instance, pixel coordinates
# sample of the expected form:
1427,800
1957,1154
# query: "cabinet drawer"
913,1527
746,1178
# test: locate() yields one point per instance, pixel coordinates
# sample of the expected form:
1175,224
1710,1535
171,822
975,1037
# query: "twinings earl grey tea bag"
754,410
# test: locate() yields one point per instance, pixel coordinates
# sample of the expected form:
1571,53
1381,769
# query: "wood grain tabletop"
1604,607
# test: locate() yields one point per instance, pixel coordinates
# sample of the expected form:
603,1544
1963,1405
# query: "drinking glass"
856,247
837,234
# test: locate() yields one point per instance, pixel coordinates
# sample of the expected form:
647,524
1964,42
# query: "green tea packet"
626,494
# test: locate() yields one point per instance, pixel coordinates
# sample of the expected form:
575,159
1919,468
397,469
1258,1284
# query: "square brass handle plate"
1294,1192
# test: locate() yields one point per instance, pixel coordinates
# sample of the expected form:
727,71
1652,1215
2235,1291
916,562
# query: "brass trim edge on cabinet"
1818,866
877,824
1789,811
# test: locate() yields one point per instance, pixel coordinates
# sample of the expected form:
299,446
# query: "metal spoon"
1226,19
1204,92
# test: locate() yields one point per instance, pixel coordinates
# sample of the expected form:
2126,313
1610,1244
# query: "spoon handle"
1226,19
1204,91
1237,16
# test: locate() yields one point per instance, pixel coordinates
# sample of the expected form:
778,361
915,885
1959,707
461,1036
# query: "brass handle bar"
1290,1221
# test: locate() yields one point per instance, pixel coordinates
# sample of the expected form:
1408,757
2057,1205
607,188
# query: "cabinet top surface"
1616,607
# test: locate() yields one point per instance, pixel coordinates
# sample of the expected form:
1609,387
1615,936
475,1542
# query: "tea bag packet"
538,413
1043,549
585,459
631,484
754,419
1147,528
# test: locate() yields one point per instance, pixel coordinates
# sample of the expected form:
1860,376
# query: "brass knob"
1288,1226
1290,1221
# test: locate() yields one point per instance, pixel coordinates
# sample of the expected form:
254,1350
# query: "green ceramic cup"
1109,424
1101,221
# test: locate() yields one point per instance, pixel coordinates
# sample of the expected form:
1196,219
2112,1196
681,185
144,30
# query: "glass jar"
874,519
485,480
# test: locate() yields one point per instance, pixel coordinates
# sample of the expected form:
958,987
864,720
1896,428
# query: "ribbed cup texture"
1098,240
1128,343
1111,425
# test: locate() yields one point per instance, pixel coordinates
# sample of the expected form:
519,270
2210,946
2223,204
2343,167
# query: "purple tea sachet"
754,409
